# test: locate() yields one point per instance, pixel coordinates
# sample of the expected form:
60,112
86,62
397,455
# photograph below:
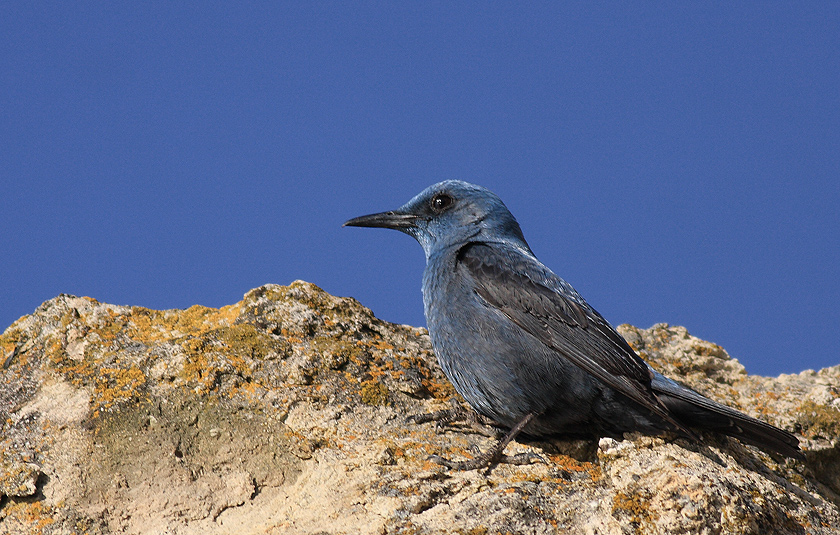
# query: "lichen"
236,349
374,393
147,326
10,339
633,508
196,412
818,421
28,516
114,386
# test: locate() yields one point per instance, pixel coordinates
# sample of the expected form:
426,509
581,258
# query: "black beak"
393,219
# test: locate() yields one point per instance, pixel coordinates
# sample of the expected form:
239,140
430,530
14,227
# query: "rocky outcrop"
286,413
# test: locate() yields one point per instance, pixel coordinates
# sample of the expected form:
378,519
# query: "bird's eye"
441,202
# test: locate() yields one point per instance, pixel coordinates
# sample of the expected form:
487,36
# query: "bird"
525,350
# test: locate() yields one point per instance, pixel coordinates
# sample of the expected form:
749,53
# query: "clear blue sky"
676,163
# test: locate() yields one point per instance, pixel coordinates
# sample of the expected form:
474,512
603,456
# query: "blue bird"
525,350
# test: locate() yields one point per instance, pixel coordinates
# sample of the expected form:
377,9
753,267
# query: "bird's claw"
471,464
521,459
439,417
487,459
457,413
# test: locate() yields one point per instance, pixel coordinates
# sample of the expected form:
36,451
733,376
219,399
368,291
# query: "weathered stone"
286,413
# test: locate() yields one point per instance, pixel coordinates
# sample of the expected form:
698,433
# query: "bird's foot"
442,417
521,459
488,459
457,413
472,464
495,454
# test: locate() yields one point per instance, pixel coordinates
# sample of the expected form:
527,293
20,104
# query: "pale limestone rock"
286,413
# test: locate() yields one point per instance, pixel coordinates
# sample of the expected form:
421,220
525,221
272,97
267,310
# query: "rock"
286,413
19,478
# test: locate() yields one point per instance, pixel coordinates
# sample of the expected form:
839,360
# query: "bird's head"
447,214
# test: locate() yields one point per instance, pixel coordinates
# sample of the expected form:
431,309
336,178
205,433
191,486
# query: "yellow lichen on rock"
287,413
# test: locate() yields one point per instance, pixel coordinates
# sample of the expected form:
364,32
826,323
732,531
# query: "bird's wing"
549,309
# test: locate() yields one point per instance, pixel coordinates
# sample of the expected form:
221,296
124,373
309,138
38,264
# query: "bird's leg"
457,412
494,454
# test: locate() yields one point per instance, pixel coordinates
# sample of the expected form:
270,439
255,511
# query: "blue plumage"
524,348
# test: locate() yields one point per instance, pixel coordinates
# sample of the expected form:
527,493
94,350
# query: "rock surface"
286,413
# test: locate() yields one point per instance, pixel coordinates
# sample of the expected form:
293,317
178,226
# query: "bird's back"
502,370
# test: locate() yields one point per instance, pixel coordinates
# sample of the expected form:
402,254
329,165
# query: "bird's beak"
394,219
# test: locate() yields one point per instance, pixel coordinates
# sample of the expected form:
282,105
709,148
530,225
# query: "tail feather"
700,412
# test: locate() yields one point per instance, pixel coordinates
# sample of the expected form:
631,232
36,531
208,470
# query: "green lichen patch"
244,341
302,310
11,340
237,350
374,393
818,421
333,354
339,345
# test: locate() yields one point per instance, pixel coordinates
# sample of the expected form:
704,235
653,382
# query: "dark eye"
441,202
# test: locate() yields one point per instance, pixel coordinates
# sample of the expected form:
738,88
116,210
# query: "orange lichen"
33,516
635,507
116,385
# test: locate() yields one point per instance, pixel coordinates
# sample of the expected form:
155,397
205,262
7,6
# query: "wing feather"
549,309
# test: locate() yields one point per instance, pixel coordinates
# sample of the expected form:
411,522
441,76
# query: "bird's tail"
700,412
